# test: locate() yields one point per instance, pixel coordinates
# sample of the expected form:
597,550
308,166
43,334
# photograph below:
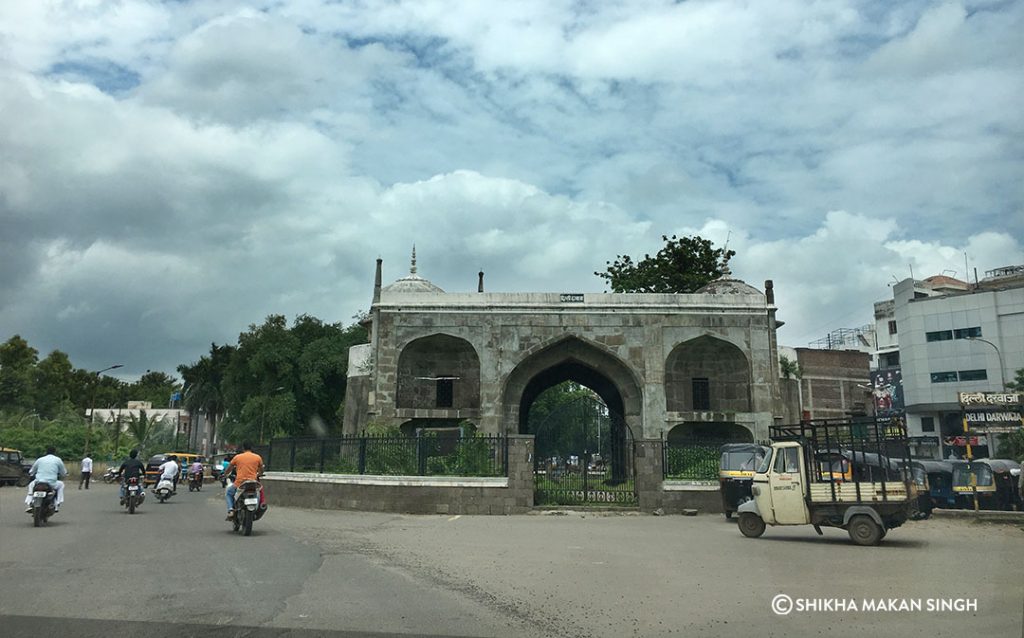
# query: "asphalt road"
176,569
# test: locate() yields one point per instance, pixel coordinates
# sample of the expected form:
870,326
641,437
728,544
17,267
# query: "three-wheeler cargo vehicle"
794,487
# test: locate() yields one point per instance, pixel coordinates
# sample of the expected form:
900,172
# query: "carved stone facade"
698,364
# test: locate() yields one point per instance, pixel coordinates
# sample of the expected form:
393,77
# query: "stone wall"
673,497
413,494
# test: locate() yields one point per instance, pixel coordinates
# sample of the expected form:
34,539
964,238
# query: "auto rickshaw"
13,470
994,480
184,459
846,465
934,480
736,472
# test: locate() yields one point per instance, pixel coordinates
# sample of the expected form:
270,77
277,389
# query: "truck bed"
846,492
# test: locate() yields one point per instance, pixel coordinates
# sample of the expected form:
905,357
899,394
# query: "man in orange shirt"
248,466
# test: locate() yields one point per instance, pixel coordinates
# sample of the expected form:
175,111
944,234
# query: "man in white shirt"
169,471
86,472
49,469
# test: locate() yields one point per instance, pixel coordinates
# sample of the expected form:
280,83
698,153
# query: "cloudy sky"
171,172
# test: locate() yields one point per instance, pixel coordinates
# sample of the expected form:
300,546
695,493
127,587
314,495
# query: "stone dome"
411,282
728,286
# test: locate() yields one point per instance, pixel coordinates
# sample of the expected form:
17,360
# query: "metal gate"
584,456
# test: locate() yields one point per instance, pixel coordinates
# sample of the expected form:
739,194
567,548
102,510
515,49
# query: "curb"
988,516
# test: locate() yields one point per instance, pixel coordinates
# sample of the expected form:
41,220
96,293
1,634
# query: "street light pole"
990,439
92,403
999,356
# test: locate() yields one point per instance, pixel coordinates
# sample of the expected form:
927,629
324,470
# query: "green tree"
291,381
1018,381
264,364
203,389
146,430
52,379
17,367
683,265
154,387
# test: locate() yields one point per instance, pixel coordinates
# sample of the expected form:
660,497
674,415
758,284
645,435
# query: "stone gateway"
666,365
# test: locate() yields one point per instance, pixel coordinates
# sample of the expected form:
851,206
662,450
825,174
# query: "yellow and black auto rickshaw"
934,481
736,473
994,480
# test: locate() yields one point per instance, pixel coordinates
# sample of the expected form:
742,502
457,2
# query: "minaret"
480,282
376,282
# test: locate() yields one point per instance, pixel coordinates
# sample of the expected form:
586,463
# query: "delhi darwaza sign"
992,412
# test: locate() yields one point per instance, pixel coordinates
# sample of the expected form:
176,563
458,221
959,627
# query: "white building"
953,337
169,417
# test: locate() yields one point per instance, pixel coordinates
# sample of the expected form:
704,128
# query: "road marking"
455,518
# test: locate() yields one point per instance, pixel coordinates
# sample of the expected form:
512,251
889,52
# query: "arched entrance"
584,440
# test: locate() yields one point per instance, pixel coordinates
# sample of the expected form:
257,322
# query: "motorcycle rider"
248,467
197,468
131,468
48,469
169,471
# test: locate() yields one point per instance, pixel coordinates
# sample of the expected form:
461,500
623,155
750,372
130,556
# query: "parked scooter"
195,482
250,505
110,475
164,489
133,495
44,499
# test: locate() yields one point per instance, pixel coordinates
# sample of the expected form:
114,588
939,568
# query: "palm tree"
203,392
142,428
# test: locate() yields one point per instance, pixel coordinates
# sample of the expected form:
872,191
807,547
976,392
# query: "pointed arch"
707,374
572,358
438,371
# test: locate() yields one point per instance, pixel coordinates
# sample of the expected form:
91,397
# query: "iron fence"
437,455
692,459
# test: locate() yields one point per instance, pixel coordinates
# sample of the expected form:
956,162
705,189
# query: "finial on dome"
412,267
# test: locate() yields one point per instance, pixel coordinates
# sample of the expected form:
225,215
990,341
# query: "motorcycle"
250,505
110,475
164,489
133,495
44,499
195,482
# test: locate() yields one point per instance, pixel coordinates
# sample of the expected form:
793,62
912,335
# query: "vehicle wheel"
131,504
23,481
728,515
864,531
247,523
751,525
37,517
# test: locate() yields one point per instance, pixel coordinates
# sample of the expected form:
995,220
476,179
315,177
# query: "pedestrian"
86,471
